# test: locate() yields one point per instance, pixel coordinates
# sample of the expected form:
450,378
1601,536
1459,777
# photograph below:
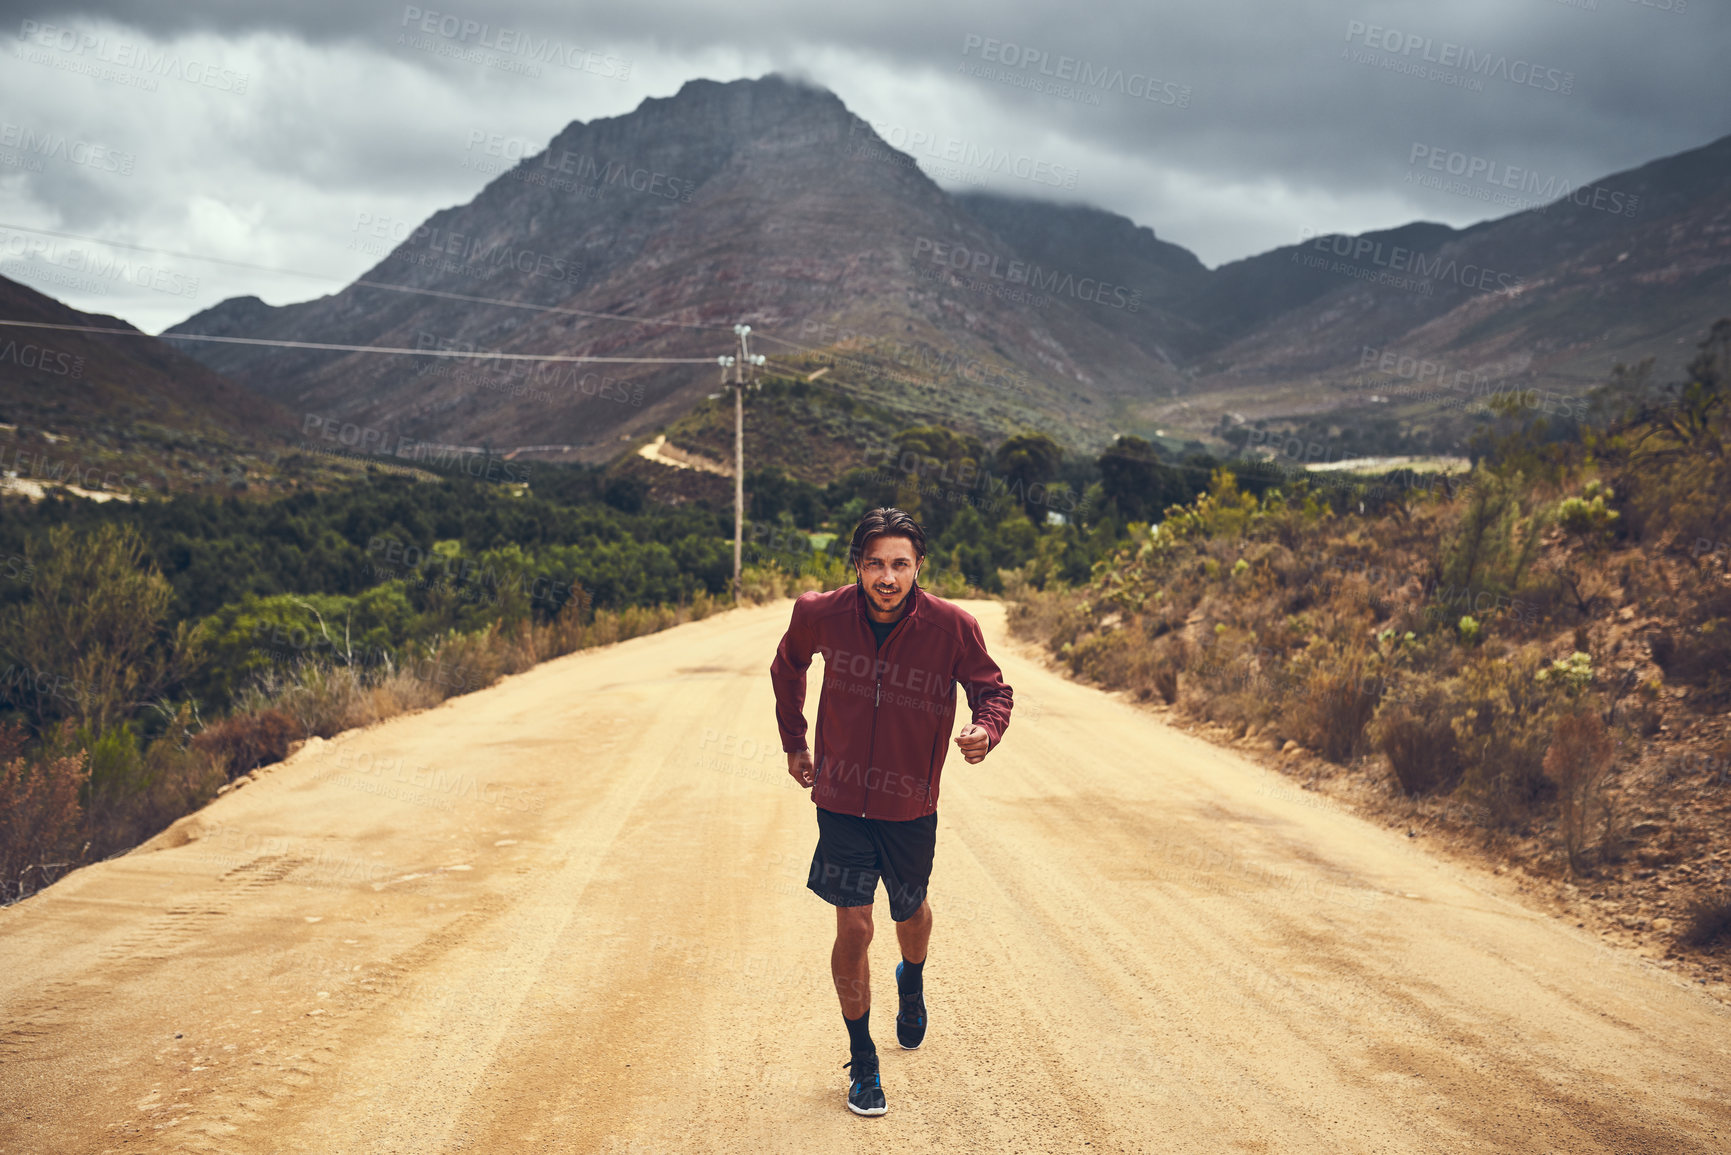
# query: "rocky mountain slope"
758,201
119,413
767,201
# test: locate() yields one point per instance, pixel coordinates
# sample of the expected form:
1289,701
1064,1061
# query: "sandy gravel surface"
567,914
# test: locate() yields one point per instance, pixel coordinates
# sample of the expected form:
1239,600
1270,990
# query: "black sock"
859,1036
908,981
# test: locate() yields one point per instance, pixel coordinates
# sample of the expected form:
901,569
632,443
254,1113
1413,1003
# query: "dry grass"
1576,762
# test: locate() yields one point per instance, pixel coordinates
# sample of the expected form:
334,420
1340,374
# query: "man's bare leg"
915,932
849,965
851,970
912,933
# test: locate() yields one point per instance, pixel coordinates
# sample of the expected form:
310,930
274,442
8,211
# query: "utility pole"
739,363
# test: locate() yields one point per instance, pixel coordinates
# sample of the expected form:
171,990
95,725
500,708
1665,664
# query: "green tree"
1027,462
1132,479
92,642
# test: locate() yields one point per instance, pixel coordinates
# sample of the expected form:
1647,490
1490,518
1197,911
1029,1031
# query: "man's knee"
920,913
853,924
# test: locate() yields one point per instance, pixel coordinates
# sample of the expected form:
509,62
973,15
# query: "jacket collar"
916,599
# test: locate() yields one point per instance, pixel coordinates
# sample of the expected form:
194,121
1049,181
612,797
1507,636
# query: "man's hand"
799,765
974,742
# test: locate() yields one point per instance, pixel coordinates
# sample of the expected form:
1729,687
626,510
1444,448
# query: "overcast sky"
270,133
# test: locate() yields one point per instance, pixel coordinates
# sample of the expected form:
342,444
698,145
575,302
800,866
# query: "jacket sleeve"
787,675
989,697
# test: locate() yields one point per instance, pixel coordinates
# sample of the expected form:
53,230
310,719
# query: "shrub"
135,790
1495,542
323,699
1335,705
399,692
564,634
1698,652
40,815
1577,761
1414,734
1588,517
461,663
92,636
1166,682
1501,716
1572,674
1707,920
243,742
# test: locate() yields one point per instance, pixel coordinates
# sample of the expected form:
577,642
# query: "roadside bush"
462,663
136,789
1413,732
323,699
93,634
40,815
1166,682
1576,762
399,692
1336,703
1495,542
1501,714
1054,617
1707,920
1698,652
244,742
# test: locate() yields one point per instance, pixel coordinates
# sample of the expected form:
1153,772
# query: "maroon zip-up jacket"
885,713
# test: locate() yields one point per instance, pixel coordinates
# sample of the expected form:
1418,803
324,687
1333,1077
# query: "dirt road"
567,914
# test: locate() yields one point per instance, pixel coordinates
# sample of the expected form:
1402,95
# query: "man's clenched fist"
799,765
973,742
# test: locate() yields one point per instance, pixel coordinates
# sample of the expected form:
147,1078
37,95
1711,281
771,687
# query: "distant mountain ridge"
776,222
118,410
766,201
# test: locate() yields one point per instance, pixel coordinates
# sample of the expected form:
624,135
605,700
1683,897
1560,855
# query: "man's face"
887,570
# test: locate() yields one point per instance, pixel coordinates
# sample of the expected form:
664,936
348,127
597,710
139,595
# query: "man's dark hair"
886,521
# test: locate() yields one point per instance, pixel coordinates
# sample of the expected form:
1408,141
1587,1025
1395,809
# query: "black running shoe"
865,1095
911,1020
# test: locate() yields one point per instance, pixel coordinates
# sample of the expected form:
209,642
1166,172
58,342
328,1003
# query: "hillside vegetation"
1537,654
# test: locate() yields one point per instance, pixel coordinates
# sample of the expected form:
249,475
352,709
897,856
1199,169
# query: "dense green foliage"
216,552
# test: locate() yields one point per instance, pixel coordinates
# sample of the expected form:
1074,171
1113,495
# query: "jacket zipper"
865,794
932,764
877,697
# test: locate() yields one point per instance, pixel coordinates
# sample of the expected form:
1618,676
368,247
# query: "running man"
892,654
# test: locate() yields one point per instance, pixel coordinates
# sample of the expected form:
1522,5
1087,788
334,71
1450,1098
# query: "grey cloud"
1281,133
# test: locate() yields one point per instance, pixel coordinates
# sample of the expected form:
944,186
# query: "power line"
368,284
446,295
470,355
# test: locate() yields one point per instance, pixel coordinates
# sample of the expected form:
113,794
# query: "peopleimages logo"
971,262
964,158
90,49
1397,258
50,145
1447,55
99,266
1081,73
460,31
50,361
1484,179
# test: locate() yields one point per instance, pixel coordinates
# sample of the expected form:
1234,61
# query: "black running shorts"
853,853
